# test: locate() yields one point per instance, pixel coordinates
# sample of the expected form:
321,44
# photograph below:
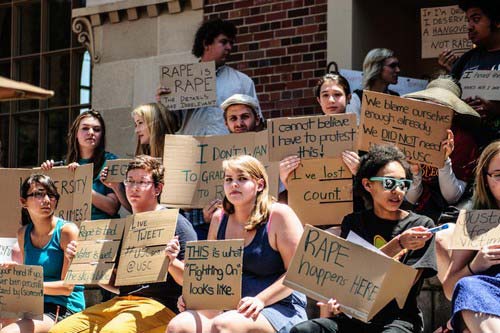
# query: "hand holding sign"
250,307
70,251
332,307
485,258
172,250
287,166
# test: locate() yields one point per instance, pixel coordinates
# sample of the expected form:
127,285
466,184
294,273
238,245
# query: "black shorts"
56,312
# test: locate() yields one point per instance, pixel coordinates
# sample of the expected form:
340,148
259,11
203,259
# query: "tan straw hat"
445,91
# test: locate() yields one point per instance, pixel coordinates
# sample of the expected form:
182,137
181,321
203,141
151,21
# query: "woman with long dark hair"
43,239
86,142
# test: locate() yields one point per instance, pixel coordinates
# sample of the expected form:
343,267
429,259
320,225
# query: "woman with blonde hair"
380,69
152,121
271,233
473,278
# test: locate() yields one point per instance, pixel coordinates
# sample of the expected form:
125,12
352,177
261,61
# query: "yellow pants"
127,314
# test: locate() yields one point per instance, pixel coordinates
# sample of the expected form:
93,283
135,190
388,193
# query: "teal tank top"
51,258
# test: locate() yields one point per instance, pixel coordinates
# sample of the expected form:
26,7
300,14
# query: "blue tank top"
51,258
262,265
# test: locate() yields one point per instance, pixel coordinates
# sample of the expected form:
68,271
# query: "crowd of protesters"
395,200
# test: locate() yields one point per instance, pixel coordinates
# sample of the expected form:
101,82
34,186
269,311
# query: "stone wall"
127,73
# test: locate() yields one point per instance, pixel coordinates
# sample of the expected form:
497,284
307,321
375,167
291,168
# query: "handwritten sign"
6,246
320,191
98,243
191,85
443,28
193,165
326,266
212,274
417,128
485,84
21,292
117,170
311,137
475,229
142,257
75,189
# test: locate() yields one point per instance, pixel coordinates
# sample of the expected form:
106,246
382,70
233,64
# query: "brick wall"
281,45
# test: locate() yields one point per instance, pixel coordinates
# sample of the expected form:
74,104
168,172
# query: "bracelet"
400,244
470,269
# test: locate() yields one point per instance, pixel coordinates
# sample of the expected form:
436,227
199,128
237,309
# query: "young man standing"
214,42
140,308
483,25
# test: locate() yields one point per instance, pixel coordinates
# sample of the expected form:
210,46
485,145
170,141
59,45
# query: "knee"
221,324
180,324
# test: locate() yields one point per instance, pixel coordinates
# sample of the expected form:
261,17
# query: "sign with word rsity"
443,28
74,188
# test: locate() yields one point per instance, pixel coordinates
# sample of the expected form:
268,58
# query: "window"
37,46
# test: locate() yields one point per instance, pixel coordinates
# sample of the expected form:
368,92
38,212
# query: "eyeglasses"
390,184
495,175
140,183
41,195
393,65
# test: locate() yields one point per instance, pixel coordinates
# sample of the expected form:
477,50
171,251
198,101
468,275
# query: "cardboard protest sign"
142,257
21,292
320,191
312,136
98,243
485,84
417,128
6,246
443,28
475,229
75,189
117,170
191,85
362,281
212,274
193,166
